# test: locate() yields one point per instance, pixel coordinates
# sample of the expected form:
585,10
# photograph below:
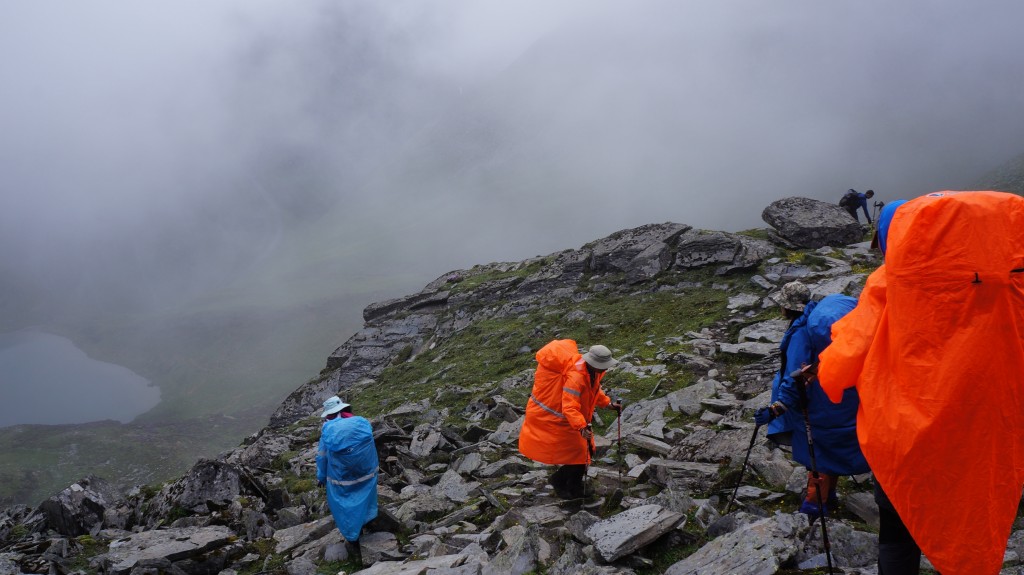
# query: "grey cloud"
162,152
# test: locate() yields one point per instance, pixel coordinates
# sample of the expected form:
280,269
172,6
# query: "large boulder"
731,252
208,486
812,223
79,509
641,253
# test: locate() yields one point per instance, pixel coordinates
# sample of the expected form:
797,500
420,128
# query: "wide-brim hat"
600,357
794,296
333,404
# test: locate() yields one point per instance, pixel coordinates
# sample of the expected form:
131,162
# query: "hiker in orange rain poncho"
935,348
556,430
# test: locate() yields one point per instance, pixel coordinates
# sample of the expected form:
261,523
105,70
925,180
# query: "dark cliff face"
444,375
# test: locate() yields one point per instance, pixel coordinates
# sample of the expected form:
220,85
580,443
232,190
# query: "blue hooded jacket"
791,348
347,463
833,426
884,219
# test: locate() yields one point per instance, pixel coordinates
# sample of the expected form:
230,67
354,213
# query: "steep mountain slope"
444,375
1008,177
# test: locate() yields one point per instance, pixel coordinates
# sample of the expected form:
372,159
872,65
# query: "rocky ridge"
444,374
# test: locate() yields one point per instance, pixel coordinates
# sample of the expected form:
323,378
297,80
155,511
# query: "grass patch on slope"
490,350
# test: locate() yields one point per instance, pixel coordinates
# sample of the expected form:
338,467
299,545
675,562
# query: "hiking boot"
812,510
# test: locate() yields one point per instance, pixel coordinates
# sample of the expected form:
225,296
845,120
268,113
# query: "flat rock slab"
171,544
544,515
760,548
631,530
419,567
752,348
288,539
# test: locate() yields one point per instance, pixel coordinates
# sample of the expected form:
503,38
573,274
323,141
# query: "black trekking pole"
802,377
592,451
618,445
753,437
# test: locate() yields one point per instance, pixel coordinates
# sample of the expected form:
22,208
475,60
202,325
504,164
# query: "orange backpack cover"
935,348
561,405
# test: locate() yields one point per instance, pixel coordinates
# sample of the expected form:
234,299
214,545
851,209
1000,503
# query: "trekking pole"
802,377
618,445
753,437
591,450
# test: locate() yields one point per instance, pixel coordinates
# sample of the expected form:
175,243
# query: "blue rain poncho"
347,462
833,425
781,429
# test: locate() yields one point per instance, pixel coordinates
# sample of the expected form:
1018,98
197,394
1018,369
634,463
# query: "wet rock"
687,400
687,475
317,550
424,508
420,567
850,548
425,439
520,554
454,487
171,544
743,301
863,505
300,566
509,466
770,331
507,432
631,530
639,252
288,539
9,563
812,223
755,549
79,509
750,348
648,444
378,546
209,485
732,252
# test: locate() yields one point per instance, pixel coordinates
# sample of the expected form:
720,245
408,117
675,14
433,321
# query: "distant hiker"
935,348
566,390
853,200
833,427
346,462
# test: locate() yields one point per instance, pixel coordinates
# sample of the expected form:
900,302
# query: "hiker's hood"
884,220
935,351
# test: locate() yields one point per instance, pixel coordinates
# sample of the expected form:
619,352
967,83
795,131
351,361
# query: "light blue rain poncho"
346,462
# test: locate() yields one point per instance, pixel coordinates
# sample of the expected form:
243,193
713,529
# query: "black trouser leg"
568,481
898,553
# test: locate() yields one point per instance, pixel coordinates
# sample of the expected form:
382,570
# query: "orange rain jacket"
935,348
561,405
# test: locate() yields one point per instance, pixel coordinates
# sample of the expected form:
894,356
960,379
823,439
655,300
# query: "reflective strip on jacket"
935,349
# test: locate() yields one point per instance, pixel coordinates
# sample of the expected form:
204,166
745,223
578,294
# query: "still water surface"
44,378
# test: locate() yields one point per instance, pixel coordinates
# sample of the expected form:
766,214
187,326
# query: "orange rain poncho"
935,348
561,405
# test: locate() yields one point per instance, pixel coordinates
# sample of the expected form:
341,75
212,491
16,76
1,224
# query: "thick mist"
250,154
